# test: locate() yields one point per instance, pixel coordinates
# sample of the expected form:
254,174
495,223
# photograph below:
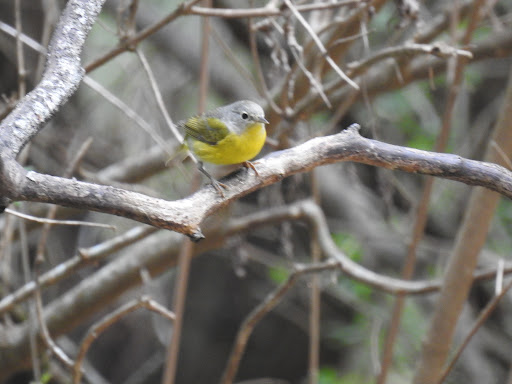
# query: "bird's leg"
248,164
215,184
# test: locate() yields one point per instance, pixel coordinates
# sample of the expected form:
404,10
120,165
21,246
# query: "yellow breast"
233,149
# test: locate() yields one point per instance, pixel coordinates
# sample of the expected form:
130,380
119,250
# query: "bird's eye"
245,116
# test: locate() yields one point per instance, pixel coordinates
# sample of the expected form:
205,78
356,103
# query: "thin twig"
128,44
420,221
440,23
179,299
158,96
6,28
484,315
501,153
262,84
320,45
45,333
99,327
109,96
51,13
204,75
185,257
262,309
233,57
128,111
315,299
126,15
408,50
20,57
48,221
265,11
32,317
382,79
86,256
52,211
60,222
296,50
498,286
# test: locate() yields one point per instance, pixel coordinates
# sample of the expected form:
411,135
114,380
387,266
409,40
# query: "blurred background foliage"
370,211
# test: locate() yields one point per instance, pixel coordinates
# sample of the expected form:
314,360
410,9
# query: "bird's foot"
248,164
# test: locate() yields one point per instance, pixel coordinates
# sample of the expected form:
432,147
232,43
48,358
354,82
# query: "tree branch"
257,314
60,80
185,215
107,321
263,11
383,78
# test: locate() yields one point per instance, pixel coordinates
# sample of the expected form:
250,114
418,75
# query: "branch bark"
60,79
185,215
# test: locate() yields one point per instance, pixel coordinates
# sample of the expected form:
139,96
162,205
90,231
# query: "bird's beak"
262,120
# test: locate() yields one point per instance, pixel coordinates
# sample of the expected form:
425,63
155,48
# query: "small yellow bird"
227,135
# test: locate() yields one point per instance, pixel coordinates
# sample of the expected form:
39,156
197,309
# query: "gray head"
240,114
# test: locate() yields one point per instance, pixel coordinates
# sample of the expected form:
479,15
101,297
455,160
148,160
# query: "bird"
231,134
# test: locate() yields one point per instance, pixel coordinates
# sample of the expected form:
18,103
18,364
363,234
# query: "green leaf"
424,142
278,275
328,375
349,244
46,377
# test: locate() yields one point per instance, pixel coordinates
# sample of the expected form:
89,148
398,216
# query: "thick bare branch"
186,215
61,78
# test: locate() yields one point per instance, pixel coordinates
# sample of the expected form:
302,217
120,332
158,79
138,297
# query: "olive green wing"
208,130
